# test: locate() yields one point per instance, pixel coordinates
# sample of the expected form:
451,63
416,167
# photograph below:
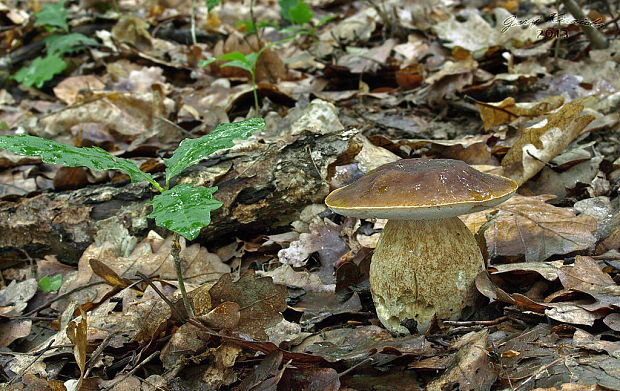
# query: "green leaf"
67,43
54,152
40,70
192,151
52,15
53,284
204,63
235,56
325,19
301,13
184,209
238,64
211,4
248,26
295,11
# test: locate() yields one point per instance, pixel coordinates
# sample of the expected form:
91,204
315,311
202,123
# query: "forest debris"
260,300
311,379
543,141
355,345
529,226
541,364
76,332
472,369
499,113
14,298
71,89
548,270
587,277
188,340
324,239
150,256
285,275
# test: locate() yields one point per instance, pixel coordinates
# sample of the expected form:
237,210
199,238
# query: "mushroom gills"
423,268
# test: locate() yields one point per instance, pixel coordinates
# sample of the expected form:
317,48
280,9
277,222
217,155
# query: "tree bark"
262,184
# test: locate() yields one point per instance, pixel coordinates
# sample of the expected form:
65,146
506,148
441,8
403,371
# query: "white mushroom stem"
423,268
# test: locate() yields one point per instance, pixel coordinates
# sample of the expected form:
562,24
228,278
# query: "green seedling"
54,18
243,61
183,209
52,284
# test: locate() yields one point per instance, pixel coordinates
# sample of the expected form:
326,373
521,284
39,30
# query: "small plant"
183,209
243,61
52,284
296,12
54,18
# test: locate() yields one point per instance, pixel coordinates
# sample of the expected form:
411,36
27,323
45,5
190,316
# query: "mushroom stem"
423,268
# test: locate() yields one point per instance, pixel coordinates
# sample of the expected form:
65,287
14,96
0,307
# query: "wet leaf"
192,151
185,209
54,152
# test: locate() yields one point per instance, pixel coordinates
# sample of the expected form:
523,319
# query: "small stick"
596,38
175,252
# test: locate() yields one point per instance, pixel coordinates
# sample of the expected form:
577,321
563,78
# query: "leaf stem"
254,88
175,252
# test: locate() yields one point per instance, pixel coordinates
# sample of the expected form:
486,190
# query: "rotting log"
263,184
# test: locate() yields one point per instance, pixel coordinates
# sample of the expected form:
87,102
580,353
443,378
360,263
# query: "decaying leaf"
587,277
473,369
529,227
498,113
546,360
261,301
77,334
543,141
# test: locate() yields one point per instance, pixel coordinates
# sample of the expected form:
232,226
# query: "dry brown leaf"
260,300
14,329
528,226
132,30
269,66
77,334
548,270
472,371
151,257
188,340
70,89
103,271
499,113
587,277
224,316
127,114
543,141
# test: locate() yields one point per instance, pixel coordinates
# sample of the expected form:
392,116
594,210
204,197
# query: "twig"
173,308
476,322
596,38
72,291
23,371
91,361
193,22
130,373
175,252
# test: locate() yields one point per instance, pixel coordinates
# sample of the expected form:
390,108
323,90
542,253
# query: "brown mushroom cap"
420,189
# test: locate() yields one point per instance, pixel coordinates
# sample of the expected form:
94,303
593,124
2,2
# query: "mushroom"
426,260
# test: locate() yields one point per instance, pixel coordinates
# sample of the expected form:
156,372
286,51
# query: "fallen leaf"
261,301
499,113
586,276
77,334
529,227
472,370
543,141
